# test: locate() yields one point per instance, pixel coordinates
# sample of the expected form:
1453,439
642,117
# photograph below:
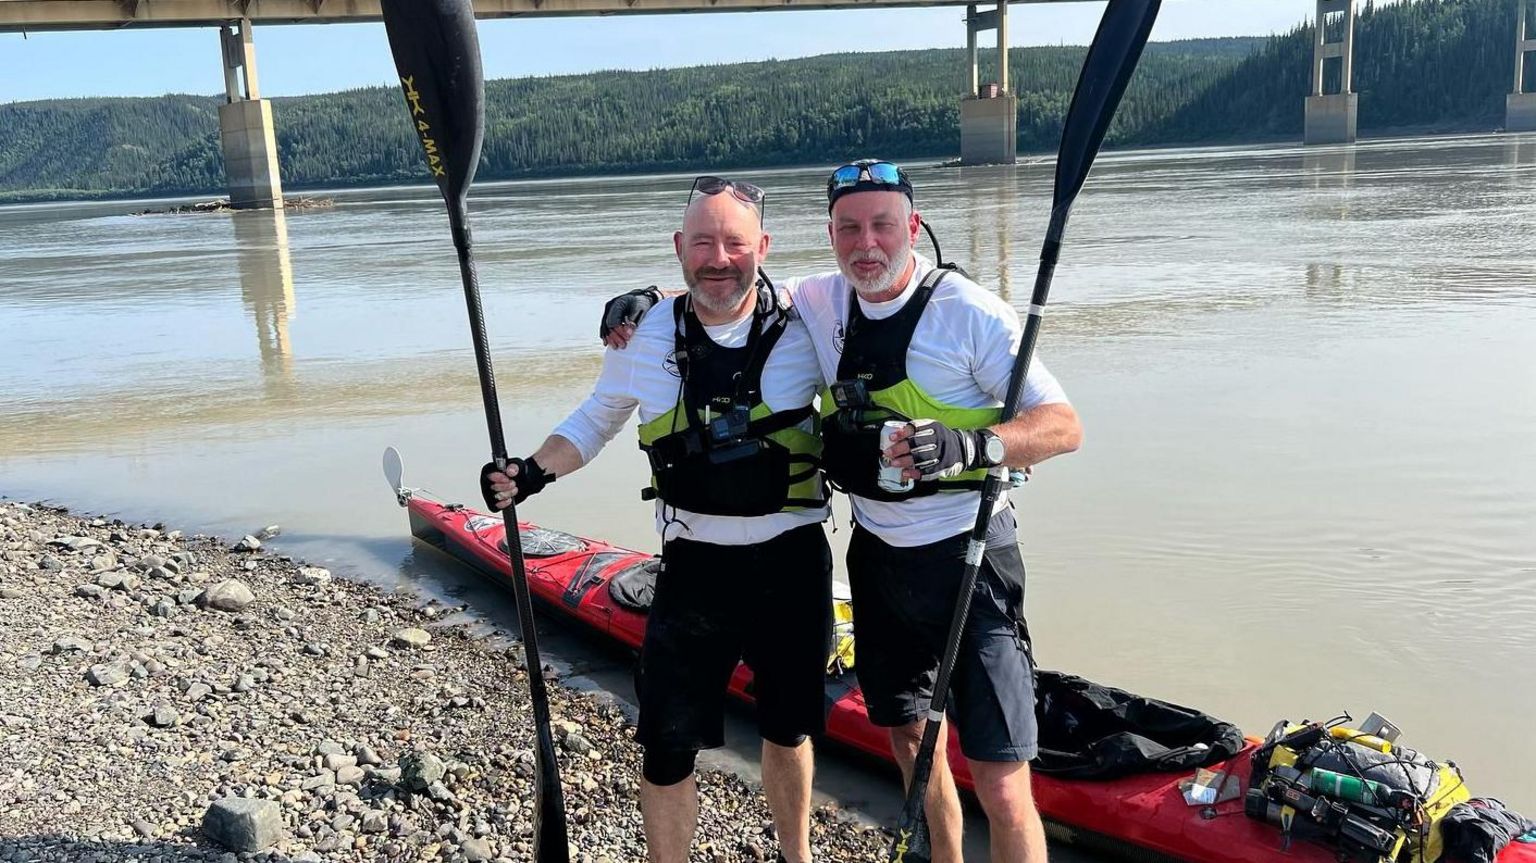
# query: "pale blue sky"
319,58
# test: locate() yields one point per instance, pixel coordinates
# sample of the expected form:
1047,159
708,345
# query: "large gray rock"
418,770
72,644
162,715
412,637
240,824
107,674
228,595
312,575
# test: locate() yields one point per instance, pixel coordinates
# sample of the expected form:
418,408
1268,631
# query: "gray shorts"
902,602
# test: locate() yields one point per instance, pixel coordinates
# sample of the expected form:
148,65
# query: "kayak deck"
1143,816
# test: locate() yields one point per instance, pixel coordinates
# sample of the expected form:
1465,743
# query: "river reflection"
266,286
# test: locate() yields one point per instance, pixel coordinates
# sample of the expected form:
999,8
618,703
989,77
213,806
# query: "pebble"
108,674
162,716
418,770
241,824
228,595
412,637
313,576
200,712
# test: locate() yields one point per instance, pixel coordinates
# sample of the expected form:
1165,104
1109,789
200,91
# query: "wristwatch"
992,448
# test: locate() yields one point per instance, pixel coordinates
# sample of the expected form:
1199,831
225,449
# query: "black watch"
991,451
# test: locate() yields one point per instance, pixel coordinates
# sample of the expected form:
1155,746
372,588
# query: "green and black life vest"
721,450
874,363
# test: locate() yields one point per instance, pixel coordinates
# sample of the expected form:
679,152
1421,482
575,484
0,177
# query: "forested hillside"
1425,63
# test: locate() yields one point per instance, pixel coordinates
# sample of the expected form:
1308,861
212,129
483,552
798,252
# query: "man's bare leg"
670,814
945,818
1005,794
787,774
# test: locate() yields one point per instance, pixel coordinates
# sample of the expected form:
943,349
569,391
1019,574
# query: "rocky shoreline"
171,698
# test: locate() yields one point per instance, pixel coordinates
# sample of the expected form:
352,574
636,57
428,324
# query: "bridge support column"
1520,107
1331,117
245,126
988,113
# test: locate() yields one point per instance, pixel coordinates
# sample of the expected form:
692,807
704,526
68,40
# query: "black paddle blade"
1111,61
438,57
912,844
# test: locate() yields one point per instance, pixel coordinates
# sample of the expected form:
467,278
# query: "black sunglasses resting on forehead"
744,192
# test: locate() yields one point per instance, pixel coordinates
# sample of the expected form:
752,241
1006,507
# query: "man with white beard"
899,339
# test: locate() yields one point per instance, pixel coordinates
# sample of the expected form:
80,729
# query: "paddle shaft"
922,767
437,54
551,840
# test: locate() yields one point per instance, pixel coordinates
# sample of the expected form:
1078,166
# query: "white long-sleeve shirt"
961,354
644,377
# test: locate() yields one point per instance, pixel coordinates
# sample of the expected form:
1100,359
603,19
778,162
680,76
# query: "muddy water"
1307,378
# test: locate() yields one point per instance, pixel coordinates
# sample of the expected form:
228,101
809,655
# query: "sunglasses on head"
880,173
744,192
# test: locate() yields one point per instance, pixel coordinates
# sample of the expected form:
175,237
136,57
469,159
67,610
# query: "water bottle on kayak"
1353,788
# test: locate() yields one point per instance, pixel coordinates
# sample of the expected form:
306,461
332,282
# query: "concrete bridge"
988,111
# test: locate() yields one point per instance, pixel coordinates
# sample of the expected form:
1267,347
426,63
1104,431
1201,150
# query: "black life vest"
874,364
721,450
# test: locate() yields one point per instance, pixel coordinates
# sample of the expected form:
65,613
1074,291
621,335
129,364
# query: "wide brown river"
1308,380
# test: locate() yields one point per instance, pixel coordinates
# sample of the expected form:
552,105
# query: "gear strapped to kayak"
1358,790
722,450
873,387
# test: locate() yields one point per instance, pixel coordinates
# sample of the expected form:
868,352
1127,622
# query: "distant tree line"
1426,63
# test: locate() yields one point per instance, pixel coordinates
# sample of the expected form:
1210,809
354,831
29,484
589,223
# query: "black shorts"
902,602
768,604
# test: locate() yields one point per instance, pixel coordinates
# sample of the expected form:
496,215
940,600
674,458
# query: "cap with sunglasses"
867,175
745,192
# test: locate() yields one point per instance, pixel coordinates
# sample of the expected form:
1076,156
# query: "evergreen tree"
1422,63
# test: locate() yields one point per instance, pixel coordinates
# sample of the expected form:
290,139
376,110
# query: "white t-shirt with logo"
644,377
961,354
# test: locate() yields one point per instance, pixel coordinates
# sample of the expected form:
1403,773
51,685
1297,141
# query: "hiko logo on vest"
669,362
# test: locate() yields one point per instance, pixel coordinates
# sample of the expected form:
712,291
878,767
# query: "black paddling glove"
627,308
940,452
530,479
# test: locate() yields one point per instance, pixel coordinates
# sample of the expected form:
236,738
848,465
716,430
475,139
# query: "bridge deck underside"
40,15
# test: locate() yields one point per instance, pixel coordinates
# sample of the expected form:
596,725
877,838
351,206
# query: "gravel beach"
176,698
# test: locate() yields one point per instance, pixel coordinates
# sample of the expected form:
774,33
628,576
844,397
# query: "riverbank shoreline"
147,677
1383,135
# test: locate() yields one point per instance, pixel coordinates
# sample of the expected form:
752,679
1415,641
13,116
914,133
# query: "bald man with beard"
724,379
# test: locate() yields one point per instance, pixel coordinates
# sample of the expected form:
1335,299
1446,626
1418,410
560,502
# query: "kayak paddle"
1111,60
437,54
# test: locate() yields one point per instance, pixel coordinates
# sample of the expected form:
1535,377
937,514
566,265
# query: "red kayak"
603,588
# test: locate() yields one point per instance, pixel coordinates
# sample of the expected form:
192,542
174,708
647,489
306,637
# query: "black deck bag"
1091,731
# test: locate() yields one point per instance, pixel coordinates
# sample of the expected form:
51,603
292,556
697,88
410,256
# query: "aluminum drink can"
890,477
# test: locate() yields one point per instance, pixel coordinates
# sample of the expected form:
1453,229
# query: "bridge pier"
245,126
1331,117
988,114
1520,107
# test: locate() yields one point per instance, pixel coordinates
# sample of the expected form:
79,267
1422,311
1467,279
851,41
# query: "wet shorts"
902,602
768,604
